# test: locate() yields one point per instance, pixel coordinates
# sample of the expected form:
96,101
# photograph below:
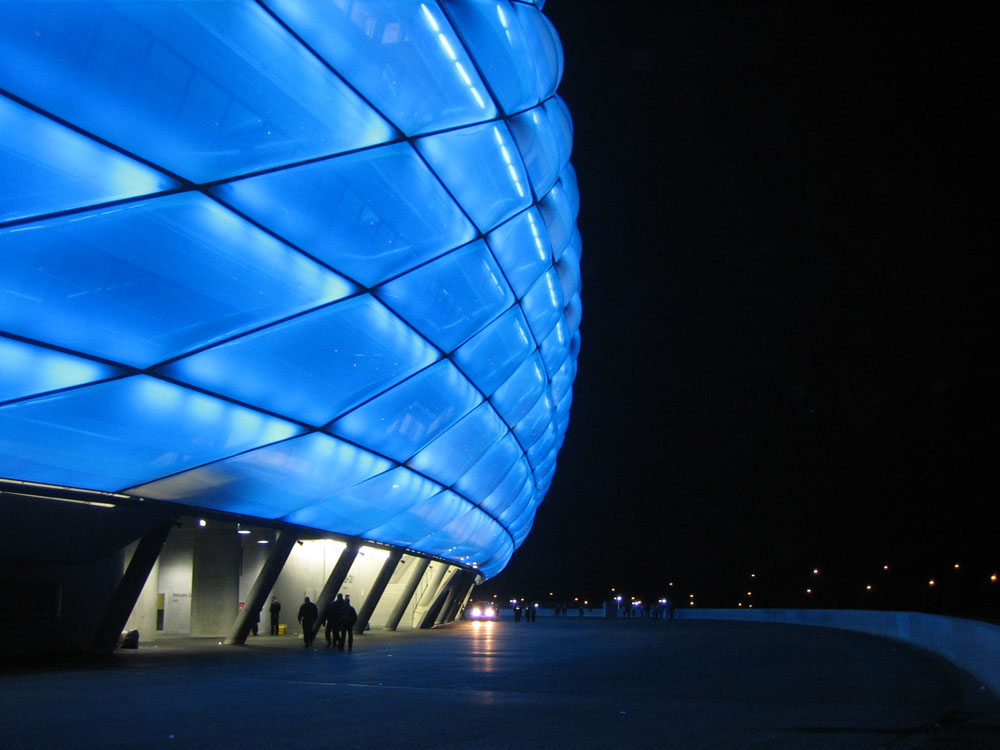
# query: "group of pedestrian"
339,618
664,609
527,612
560,610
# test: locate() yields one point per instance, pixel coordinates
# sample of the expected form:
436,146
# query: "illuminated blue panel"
543,485
143,282
494,564
357,509
543,304
413,523
452,454
569,266
573,311
571,187
492,355
514,399
450,298
562,381
533,425
555,348
574,248
313,367
272,481
232,208
482,168
486,540
543,472
523,250
520,528
560,425
462,538
522,502
403,57
26,370
491,541
563,405
404,419
539,143
391,211
45,167
557,211
546,51
560,120
207,90
120,433
494,36
541,450
488,471
508,490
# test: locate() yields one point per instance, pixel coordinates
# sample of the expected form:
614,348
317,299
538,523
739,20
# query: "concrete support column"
377,589
215,580
337,577
449,599
129,588
280,551
419,568
429,595
442,597
464,582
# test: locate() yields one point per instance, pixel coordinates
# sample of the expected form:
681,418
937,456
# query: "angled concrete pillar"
463,587
449,600
429,595
337,577
377,589
129,588
438,598
276,559
416,574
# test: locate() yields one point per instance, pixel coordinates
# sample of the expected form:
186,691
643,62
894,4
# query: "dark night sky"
786,331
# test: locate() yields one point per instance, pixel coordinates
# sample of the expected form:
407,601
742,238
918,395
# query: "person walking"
348,619
332,621
308,614
275,611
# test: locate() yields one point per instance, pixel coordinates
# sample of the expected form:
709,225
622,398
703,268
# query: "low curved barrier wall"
974,646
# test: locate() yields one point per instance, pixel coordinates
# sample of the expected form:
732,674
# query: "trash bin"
282,629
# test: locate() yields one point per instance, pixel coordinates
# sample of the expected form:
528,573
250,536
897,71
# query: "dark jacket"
308,611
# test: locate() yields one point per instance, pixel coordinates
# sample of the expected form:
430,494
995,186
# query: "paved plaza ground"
554,683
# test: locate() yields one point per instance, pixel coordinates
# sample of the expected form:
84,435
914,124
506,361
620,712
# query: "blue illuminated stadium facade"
310,264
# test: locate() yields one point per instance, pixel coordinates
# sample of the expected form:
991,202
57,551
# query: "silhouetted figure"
308,614
348,619
332,620
275,611
517,613
668,609
256,623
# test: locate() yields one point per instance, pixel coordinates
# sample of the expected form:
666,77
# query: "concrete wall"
215,581
974,646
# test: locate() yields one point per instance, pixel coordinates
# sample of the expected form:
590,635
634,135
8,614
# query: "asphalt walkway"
559,683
